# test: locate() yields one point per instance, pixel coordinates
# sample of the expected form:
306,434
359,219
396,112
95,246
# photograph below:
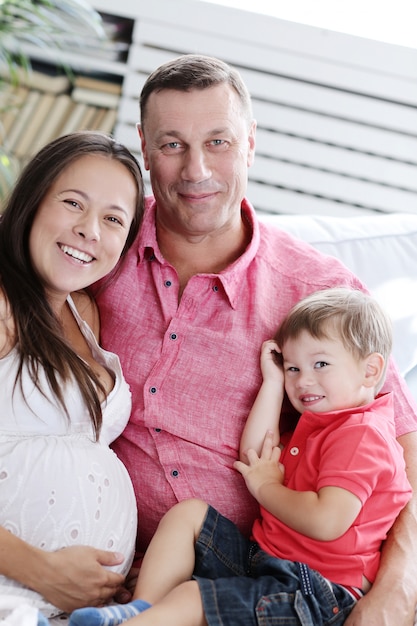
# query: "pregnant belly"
64,491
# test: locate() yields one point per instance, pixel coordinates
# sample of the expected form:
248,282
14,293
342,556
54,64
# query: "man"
205,285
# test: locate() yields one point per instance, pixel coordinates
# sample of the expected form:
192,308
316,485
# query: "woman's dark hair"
38,332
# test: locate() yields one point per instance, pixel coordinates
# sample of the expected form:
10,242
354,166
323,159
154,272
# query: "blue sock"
108,615
42,621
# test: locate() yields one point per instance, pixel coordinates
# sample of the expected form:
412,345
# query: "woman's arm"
265,413
69,578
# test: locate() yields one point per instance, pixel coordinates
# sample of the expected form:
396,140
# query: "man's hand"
78,576
385,611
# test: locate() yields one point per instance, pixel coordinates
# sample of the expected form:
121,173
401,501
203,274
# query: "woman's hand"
125,593
77,576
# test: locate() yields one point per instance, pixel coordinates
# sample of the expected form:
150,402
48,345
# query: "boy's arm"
324,515
265,413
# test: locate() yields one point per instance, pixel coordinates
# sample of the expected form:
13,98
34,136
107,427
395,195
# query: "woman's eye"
72,203
114,220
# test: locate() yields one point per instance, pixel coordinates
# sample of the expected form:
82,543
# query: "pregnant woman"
67,507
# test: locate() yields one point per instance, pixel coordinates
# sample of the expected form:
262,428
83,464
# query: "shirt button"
215,288
167,283
175,473
152,389
173,336
294,451
158,430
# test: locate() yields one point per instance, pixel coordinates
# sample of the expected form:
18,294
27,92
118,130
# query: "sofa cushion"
382,251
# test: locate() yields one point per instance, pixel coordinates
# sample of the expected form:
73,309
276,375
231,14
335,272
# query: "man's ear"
143,145
375,363
251,143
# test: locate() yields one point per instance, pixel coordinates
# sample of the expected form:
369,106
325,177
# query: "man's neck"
208,254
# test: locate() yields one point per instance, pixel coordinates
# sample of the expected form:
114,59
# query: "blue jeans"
241,585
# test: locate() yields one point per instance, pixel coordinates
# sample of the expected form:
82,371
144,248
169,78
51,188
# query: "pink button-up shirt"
193,365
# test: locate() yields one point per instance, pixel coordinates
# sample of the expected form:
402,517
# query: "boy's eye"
320,364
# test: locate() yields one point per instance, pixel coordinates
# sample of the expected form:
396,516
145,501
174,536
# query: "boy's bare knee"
192,512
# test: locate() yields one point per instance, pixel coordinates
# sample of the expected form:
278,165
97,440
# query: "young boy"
327,500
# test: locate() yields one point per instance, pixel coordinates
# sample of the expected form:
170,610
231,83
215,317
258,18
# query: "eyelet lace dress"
58,486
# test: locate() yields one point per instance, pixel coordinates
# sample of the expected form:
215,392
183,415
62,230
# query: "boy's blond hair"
353,316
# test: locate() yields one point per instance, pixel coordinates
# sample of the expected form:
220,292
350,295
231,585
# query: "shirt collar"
148,245
232,278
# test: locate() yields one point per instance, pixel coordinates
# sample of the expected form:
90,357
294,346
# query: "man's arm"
393,597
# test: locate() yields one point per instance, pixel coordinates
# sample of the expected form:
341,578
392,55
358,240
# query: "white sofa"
382,250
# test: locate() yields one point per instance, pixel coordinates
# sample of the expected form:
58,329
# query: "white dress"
59,487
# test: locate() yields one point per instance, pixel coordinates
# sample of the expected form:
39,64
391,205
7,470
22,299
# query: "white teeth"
310,398
77,254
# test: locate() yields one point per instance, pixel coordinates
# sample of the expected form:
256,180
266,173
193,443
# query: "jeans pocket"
296,609
283,609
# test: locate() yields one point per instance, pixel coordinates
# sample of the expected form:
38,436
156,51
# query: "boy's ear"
374,368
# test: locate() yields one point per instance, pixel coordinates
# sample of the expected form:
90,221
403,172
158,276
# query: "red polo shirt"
354,449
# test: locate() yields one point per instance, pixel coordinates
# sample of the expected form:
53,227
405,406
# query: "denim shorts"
241,585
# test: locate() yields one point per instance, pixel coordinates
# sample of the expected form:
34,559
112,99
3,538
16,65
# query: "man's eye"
171,146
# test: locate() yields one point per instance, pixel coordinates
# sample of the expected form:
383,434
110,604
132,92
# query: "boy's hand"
264,469
271,362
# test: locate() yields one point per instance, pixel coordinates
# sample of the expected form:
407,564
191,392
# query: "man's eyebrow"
165,134
176,134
